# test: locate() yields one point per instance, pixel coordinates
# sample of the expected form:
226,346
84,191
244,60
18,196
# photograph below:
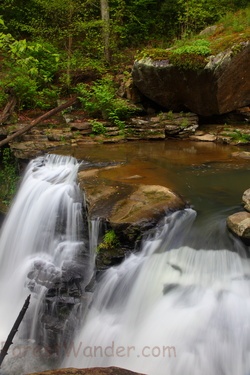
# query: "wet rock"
239,224
203,138
246,200
89,371
127,207
44,273
222,86
81,126
143,208
241,154
169,288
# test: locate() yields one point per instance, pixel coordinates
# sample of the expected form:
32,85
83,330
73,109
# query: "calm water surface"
205,174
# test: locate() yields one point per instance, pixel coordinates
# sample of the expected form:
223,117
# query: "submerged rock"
241,154
203,138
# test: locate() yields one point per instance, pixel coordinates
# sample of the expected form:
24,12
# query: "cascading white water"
42,234
180,306
171,310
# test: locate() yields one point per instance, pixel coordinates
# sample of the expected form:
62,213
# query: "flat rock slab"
203,138
120,202
88,371
145,202
128,205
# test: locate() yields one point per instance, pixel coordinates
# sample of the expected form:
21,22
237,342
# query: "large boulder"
222,86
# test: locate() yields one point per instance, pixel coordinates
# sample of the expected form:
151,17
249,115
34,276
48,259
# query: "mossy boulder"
218,84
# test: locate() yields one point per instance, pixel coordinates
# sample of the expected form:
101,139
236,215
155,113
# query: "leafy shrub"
8,176
99,100
238,136
197,47
110,241
46,98
29,69
98,127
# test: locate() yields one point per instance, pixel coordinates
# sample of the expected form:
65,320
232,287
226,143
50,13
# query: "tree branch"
35,122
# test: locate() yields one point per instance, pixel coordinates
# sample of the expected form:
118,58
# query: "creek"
180,305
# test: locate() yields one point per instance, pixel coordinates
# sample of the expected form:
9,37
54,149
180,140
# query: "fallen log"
14,330
35,122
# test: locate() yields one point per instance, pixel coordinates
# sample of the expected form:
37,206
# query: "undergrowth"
9,176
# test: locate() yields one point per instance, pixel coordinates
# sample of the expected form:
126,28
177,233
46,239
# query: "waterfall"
172,309
43,251
179,306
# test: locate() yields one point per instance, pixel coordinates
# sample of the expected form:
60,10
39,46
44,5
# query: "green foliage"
110,241
99,100
197,46
237,22
137,21
30,69
170,115
195,15
184,123
188,61
3,97
191,56
98,127
240,137
46,98
8,176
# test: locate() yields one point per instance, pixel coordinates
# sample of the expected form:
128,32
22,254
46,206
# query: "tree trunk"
35,122
8,110
106,29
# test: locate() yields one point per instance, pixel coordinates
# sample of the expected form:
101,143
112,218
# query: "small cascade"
94,231
171,309
44,250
